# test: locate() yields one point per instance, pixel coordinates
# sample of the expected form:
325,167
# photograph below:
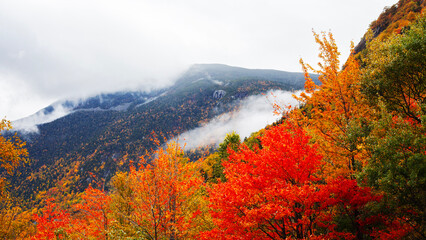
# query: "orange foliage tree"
90,218
162,199
332,109
52,223
94,214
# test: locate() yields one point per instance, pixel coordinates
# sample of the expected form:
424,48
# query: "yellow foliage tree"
14,222
12,151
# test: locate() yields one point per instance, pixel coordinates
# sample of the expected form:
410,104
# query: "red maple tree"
272,192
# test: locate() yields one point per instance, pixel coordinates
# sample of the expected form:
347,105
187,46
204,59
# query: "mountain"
81,139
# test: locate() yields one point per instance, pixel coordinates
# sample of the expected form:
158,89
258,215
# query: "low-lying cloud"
253,114
53,112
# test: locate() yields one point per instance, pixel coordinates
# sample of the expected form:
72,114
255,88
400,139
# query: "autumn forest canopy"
348,163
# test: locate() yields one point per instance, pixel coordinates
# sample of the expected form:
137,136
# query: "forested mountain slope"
102,134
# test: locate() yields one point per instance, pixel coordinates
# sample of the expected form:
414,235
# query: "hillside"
104,133
393,19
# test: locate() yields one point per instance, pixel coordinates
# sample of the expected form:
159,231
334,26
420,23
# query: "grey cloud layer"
51,49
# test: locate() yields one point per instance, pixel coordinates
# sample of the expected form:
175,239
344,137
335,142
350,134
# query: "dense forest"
349,163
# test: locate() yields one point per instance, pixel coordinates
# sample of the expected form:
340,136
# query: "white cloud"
57,110
254,113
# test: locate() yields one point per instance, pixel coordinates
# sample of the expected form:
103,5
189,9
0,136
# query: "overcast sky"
53,49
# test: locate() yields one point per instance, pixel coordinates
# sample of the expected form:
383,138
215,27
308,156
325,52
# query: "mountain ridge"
107,101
